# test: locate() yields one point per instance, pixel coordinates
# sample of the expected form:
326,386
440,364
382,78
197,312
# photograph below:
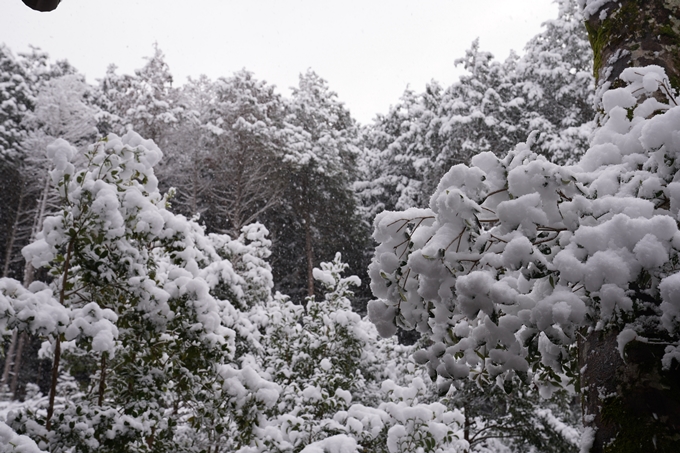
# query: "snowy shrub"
316,354
10,442
132,303
516,254
331,366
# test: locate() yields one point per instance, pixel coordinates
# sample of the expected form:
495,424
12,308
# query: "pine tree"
16,100
477,114
186,165
555,77
145,102
245,133
319,217
397,154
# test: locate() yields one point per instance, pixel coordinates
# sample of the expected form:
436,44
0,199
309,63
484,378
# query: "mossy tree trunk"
631,403
635,33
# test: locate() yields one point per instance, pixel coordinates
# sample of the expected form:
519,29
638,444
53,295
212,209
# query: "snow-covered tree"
492,107
16,100
246,134
343,388
397,151
186,165
519,263
477,114
319,216
61,108
145,102
557,85
131,304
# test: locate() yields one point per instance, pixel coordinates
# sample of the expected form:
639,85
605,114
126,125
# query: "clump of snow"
11,442
339,443
590,7
587,439
624,337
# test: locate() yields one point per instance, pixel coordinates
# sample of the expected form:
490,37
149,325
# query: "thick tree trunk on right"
633,405
635,33
630,403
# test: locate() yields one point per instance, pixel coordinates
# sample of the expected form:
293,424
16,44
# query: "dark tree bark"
634,33
57,340
9,359
23,338
631,403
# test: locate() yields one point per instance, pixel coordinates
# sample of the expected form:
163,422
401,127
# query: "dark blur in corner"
42,5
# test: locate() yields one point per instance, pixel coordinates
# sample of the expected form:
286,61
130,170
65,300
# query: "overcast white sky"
368,50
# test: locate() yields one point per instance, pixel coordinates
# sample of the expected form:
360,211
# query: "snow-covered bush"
132,302
334,372
316,353
517,257
10,442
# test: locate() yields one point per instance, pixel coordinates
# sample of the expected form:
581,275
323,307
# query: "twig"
548,239
493,193
545,228
459,237
499,239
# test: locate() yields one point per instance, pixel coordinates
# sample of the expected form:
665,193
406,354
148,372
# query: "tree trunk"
309,248
57,340
102,380
53,383
309,254
634,33
23,338
466,428
633,405
630,404
9,251
9,360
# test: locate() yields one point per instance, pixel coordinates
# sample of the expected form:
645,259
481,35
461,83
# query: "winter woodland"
215,267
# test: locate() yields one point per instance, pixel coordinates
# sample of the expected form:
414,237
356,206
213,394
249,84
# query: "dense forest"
216,267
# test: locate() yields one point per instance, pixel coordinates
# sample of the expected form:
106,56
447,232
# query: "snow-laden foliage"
144,102
10,442
516,254
334,373
131,300
317,354
590,7
164,334
243,127
142,305
555,80
16,101
397,153
318,211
